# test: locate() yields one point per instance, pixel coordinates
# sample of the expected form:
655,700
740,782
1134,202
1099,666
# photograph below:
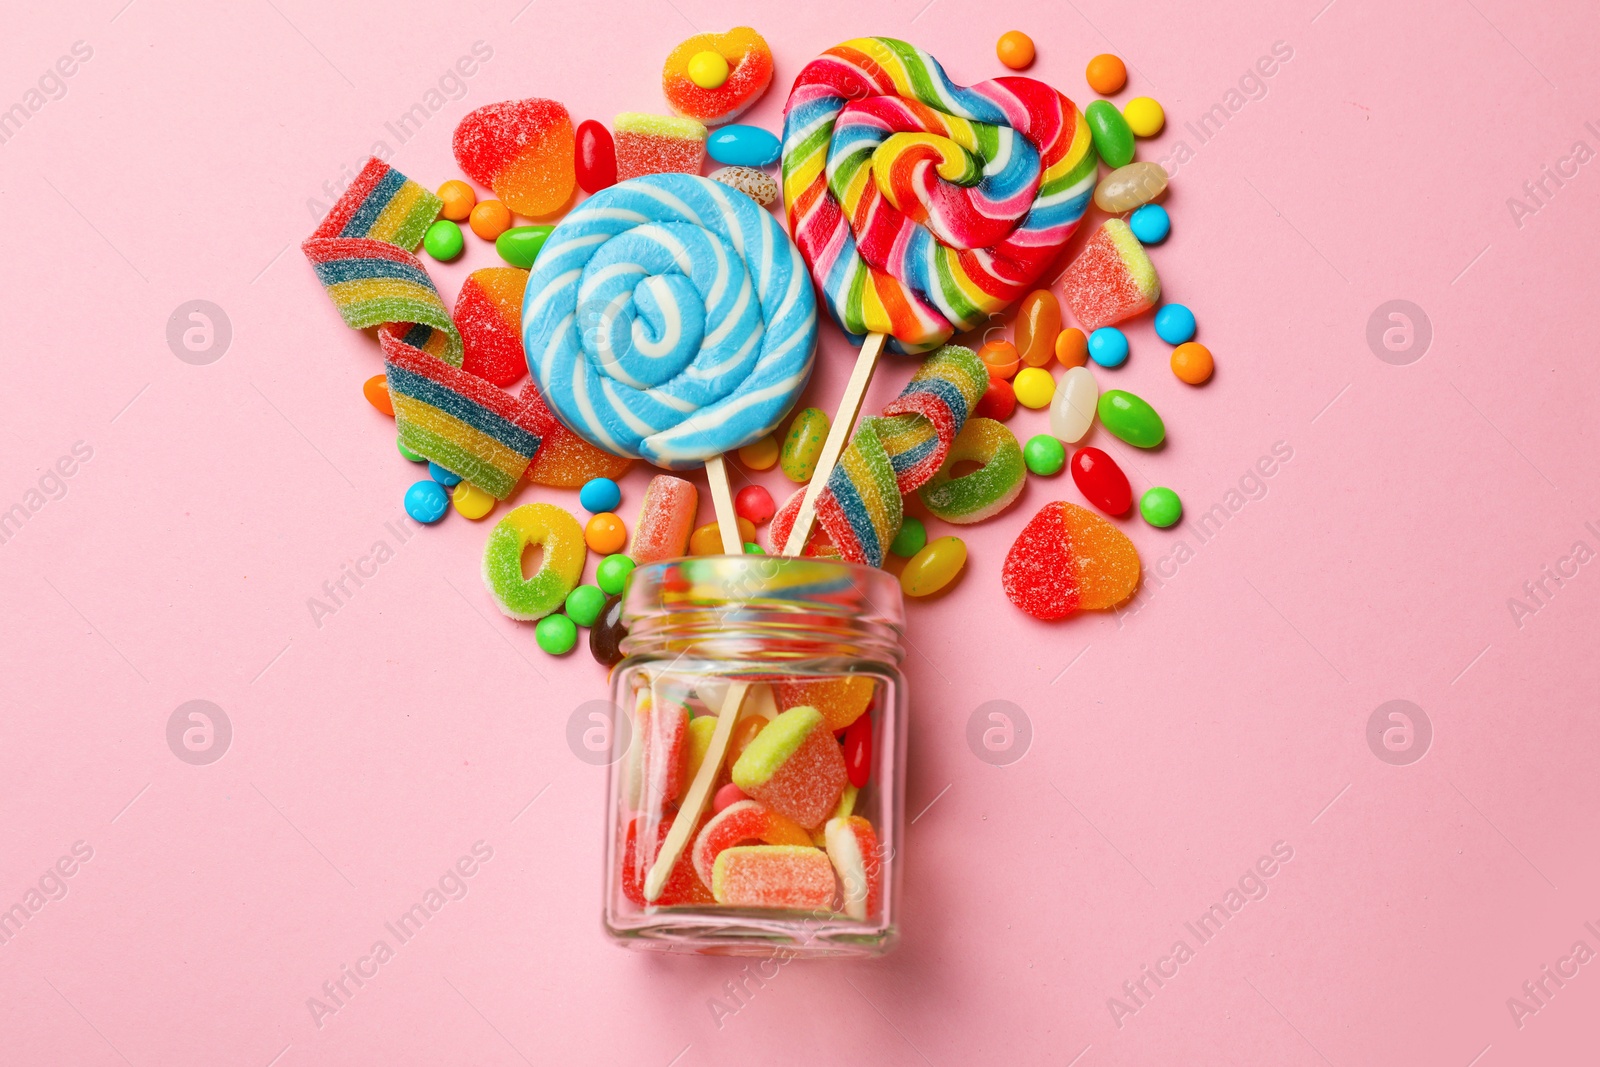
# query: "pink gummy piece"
666,519
1108,283
808,784
769,876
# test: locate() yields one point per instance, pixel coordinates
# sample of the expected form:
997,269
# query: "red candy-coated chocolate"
998,402
596,158
754,503
683,884
858,751
1098,478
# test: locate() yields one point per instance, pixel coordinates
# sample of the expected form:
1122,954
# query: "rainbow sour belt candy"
923,206
669,318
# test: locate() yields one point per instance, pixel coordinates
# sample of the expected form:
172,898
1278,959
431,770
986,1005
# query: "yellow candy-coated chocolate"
470,501
760,455
1034,387
1144,116
708,70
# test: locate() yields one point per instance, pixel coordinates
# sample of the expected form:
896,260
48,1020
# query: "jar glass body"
794,848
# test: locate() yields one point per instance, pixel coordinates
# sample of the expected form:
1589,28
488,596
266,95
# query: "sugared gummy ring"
985,492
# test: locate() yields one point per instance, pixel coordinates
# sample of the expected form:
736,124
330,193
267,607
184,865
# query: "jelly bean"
753,549
599,494
743,146
1127,187
1192,363
707,540
1034,387
556,634
607,633
489,219
458,199
1072,347
406,453
758,185
1145,117
426,501
443,240
520,245
1112,138
1001,357
1108,346
708,70
909,541
858,751
1037,327
760,455
1131,419
998,401
1174,323
1015,50
727,796
802,446
585,603
376,390
754,503
1150,224
448,479
933,568
471,502
1072,411
605,533
1044,455
1101,481
1160,506
1106,74
612,573
595,158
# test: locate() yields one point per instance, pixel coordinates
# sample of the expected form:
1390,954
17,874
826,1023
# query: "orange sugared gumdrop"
564,460
523,150
750,72
841,700
489,315
1069,559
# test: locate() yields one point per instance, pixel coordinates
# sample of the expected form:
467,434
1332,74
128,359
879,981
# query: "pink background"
1173,744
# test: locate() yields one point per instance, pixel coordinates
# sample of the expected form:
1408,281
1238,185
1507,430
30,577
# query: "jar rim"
865,595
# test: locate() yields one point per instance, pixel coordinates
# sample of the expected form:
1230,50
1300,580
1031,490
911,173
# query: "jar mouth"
751,599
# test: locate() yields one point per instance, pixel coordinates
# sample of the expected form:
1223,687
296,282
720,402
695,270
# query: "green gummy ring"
564,555
987,491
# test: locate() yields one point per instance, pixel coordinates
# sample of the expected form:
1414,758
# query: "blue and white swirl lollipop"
671,319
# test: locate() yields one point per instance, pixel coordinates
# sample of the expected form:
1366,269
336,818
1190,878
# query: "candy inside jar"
758,761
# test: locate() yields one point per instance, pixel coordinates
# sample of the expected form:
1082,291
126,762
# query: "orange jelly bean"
1037,327
1072,347
707,540
490,219
376,390
1192,362
1001,358
605,533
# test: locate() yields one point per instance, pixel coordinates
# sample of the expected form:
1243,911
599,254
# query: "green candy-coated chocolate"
1109,130
753,549
1131,419
443,240
909,541
612,573
1160,506
585,603
556,634
520,245
1044,455
407,453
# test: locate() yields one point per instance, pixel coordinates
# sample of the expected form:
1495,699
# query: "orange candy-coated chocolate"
1002,359
376,390
707,539
1106,74
458,199
1015,50
489,219
1072,347
1192,363
605,533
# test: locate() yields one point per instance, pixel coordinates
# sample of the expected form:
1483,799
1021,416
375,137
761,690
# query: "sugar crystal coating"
1112,279
749,73
523,150
1069,559
773,876
489,315
657,144
794,766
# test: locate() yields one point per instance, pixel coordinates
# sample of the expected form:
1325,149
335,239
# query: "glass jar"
790,669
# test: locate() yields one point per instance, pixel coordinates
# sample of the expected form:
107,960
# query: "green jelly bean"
753,549
585,603
1044,455
520,245
443,240
612,573
1131,419
909,541
556,634
1160,506
803,445
1112,137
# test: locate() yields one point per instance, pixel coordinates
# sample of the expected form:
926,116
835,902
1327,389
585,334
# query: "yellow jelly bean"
471,501
708,69
934,567
1144,116
803,445
760,455
1034,387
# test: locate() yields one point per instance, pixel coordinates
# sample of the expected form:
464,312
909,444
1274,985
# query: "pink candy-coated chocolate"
748,820
773,876
666,519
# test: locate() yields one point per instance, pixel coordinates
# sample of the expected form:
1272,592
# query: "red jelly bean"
1100,479
596,157
858,751
998,402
